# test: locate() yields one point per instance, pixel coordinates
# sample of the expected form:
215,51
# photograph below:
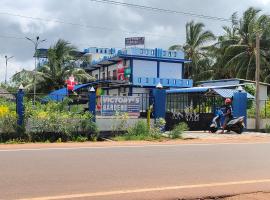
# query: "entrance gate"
197,110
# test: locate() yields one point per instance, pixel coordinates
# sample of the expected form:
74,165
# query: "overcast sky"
103,25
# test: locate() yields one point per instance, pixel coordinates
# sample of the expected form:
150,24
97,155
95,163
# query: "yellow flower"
42,115
4,110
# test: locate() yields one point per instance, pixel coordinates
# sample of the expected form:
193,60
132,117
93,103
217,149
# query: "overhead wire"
157,9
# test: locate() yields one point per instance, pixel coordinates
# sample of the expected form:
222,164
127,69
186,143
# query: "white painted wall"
170,70
140,90
113,92
142,68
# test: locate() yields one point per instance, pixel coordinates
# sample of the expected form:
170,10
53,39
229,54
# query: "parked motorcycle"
236,124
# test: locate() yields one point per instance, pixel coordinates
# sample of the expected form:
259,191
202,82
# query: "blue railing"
167,82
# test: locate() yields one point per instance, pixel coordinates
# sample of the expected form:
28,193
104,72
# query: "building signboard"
134,41
123,104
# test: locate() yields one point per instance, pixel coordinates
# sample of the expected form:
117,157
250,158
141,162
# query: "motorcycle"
236,124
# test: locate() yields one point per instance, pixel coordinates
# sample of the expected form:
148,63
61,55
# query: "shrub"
9,129
178,130
120,122
140,131
267,128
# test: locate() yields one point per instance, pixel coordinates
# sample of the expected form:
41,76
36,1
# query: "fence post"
92,103
240,105
20,106
159,103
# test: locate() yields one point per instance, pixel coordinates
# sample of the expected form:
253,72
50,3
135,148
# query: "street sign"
134,41
123,104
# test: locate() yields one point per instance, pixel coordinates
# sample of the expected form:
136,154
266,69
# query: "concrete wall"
251,123
107,123
142,68
170,70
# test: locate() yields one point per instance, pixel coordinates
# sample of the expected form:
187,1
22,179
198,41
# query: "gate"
197,110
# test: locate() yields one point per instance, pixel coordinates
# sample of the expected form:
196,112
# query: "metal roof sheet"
228,93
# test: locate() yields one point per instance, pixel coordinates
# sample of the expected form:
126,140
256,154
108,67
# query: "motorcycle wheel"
240,129
213,130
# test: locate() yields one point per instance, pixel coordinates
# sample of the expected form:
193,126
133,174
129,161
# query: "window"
146,51
96,76
174,82
161,81
96,50
152,52
115,74
147,80
105,51
141,51
164,53
175,54
168,81
139,80
109,75
101,51
103,75
170,54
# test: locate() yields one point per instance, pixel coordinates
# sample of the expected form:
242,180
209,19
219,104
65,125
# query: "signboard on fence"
134,41
113,104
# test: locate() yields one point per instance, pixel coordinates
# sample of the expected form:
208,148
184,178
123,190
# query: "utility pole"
257,78
7,58
36,43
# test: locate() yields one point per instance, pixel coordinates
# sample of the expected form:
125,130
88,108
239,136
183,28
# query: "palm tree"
51,76
241,56
217,50
195,49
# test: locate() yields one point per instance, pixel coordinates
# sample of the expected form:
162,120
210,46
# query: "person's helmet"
228,101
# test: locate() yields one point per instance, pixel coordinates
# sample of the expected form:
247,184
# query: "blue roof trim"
189,90
224,92
59,95
172,60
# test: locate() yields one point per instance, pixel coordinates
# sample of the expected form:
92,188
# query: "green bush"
178,130
267,128
120,122
140,131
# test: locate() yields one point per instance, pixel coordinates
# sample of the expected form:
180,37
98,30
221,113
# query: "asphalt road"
138,172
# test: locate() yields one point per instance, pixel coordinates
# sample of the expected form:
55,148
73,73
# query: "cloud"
103,24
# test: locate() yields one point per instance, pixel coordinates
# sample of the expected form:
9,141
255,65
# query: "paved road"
139,172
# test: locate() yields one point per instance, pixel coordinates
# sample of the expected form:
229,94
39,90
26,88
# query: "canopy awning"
223,91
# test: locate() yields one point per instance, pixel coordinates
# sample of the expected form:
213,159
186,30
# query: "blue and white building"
135,70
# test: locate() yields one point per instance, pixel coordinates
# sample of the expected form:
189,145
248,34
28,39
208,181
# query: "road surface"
134,172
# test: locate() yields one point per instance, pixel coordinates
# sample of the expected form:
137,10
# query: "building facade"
135,70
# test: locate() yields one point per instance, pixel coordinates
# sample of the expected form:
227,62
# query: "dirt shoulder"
188,138
251,196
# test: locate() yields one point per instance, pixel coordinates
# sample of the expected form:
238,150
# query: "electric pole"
7,58
257,78
36,43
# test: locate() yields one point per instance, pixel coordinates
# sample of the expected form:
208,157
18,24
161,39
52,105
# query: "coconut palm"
217,50
195,48
241,56
51,76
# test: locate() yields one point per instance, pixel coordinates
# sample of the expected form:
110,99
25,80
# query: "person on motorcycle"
228,113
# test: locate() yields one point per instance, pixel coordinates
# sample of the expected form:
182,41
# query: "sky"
88,23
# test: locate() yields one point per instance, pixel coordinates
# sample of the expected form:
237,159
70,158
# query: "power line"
84,25
156,9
